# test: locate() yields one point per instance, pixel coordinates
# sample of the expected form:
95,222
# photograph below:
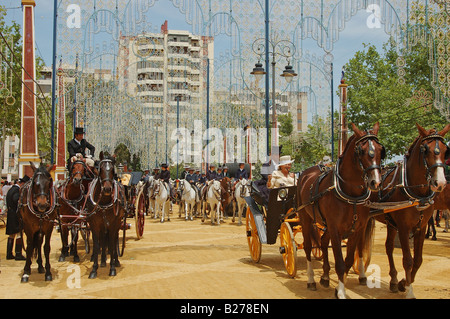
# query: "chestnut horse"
71,199
416,180
37,211
105,211
334,199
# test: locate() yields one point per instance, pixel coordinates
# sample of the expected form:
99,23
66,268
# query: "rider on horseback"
165,176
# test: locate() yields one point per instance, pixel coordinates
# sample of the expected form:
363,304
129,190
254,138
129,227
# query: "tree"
375,94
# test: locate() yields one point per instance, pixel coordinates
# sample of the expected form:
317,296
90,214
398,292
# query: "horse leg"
48,273
339,261
405,284
419,238
29,252
95,241
65,244
103,245
112,252
361,268
74,246
389,245
39,240
307,247
324,243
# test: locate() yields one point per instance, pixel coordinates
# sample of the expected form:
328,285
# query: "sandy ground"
194,260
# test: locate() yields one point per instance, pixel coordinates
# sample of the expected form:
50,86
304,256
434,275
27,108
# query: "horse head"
433,152
106,174
77,171
41,187
369,153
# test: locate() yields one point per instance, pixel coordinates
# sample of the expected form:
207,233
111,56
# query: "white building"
10,163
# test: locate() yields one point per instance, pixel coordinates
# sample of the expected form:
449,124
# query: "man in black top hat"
78,145
13,224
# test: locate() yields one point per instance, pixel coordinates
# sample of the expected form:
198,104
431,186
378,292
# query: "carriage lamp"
282,193
120,171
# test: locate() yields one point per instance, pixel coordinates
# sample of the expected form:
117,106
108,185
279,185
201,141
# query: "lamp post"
284,49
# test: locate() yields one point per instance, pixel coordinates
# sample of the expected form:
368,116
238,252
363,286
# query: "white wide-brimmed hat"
326,160
284,160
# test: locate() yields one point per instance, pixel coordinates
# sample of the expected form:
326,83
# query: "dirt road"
190,260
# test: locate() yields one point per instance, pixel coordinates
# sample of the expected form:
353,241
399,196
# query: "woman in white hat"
282,177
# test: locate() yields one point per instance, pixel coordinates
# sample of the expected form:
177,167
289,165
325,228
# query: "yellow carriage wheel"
254,244
288,249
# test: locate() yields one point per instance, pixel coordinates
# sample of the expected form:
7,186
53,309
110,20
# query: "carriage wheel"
288,249
254,244
139,215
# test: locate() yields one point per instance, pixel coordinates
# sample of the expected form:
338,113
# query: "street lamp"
282,48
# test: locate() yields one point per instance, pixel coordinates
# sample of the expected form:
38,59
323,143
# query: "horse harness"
315,195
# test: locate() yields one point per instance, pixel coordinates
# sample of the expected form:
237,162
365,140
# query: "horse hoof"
25,278
117,263
393,287
41,270
48,278
61,258
311,286
363,281
112,272
76,259
325,282
93,275
401,285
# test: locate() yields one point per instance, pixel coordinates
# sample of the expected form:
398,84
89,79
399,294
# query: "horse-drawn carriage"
136,207
268,218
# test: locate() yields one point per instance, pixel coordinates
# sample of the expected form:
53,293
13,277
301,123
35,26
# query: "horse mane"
411,147
42,169
347,145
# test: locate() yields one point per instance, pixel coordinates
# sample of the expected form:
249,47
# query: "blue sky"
356,32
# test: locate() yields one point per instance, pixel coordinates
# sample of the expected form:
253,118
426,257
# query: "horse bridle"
50,196
424,149
358,152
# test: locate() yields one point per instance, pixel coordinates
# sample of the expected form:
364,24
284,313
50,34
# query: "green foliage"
375,94
286,126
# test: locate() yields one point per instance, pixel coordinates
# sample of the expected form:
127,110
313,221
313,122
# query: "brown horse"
416,180
105,211
71,199
37,211
227,195
334,198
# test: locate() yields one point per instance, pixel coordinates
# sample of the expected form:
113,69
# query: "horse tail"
37,239
369,237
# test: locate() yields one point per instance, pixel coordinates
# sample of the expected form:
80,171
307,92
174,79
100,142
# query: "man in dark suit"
13,224
211,174
165,176
241,172
78,145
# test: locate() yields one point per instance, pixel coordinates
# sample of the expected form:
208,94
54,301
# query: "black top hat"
24,179
79,130
164,165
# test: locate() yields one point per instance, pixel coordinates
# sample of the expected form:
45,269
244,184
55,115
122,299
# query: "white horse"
242,189
151,199
213,198
188,198
161,194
